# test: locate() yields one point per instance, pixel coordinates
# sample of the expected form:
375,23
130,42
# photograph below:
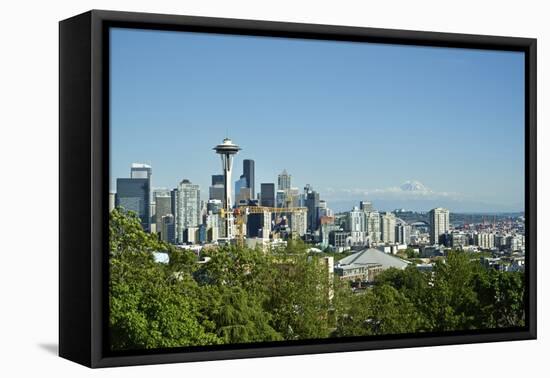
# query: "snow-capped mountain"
414,186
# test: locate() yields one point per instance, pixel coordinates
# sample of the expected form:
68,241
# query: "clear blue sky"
335,115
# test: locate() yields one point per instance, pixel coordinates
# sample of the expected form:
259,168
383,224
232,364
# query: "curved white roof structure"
374,256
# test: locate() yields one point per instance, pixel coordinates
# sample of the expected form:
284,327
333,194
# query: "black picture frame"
84,177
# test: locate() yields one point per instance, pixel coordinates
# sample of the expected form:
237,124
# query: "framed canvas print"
235,188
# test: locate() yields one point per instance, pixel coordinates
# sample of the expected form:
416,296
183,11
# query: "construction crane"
263,209
239,214
243,211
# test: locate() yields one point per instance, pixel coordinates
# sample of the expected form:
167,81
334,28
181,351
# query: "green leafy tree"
459,294
233,266
453,302
149,306
234,279
240,318
502,298
299,293
414,285
381,311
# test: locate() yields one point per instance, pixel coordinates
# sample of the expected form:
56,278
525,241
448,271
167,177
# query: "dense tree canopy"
459,294
244,295
149,306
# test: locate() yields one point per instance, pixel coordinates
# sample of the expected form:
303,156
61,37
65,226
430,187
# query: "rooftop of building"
140,165
371,256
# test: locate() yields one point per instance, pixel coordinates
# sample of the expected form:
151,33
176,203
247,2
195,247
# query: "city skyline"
156,119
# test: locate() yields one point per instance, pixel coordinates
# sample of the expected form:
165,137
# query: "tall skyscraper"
173,194
357,226
311,201
213,226
402,232
284,181
439,223
163,206
217,189
327,226
298,223
248,173
387,227
242,192
267,194
213,221
188,209
373,226
166,227
134,193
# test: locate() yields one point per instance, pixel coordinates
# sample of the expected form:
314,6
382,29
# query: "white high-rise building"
439,223
356,224
387,227
213,226
373,226
188,209
402,232
485,240
298,222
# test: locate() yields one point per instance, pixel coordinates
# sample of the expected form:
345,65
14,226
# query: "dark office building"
133,194
248,173
267,194
167,229
217,189
173,194
202,233
163,206
255,223
312,203
217,180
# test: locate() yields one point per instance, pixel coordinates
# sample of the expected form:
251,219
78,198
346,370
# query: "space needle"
226,150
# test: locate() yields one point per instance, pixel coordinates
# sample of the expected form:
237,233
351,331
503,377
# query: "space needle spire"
226,150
